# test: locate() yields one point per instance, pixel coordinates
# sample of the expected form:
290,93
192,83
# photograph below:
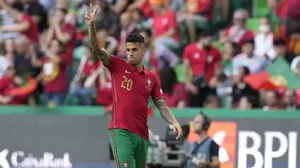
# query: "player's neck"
139,67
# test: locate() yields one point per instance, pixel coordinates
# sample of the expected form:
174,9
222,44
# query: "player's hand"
177,128
90,16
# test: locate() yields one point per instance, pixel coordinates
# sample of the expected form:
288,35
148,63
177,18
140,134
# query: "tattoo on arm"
165,112
100,52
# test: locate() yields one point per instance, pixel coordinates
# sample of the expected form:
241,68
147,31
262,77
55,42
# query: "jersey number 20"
126,83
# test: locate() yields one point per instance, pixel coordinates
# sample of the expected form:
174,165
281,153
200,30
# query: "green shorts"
130,150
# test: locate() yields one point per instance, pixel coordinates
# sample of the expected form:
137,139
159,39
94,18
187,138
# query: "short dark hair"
135,38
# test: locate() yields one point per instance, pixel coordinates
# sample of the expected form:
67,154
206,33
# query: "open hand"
90,16
177,128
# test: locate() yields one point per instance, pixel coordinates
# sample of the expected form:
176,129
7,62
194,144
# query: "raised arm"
167,115
96,48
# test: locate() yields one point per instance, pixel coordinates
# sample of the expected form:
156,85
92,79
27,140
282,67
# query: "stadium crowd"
206,52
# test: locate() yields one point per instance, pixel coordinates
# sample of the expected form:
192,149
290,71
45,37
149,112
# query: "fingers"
91,8
179,130
87,16
96,10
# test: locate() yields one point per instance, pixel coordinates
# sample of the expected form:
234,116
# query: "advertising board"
38,141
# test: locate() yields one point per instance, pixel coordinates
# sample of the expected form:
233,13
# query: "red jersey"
202,61
55,74
131,91
163,22
71,30
240,37
33,32
6,85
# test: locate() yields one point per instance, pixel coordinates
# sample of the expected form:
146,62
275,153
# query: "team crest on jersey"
148,81
125,164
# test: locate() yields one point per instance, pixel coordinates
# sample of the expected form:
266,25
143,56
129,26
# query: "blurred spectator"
127,27
105,92
163,55
9,49
143,6
241,88
109,42
10,81
176,5
247,102
264,40
203,59
290,100
212,101
248,59
7,20
61,30
54,71
4,62
107,18
238,32
276,15
25,23
102,80
281,49
292,23
174,92
89,64
47,5
22,57
272,101
37,12
82,6
294,41
230,50
165,25
295,65
197,15
139,20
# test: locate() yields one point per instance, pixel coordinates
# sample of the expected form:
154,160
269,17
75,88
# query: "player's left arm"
214,150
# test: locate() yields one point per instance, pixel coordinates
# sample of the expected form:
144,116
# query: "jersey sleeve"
156,92
115,63
214,149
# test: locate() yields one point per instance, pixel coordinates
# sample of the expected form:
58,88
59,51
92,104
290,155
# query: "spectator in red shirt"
174,93
8,82
165,25
105,91
238,32
61,31
54,72
89,64
203,59
25,24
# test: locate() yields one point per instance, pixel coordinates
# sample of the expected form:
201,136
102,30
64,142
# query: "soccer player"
132,85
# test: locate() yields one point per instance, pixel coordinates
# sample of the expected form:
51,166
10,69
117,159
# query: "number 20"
127,83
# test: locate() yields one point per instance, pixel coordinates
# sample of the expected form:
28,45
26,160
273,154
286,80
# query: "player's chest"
137,83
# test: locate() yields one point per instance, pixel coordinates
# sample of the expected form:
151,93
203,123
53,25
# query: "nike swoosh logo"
127,72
